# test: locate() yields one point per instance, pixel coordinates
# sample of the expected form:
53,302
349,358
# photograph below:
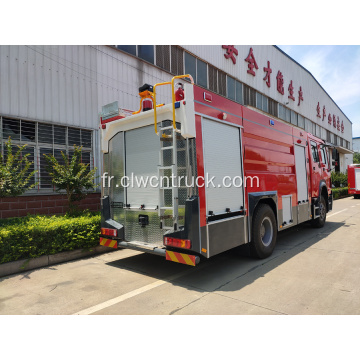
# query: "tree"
73,176
14,171
356,158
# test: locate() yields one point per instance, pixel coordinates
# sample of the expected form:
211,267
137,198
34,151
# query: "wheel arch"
255,199
323,191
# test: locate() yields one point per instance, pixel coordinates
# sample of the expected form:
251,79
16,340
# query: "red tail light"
109,232
180,243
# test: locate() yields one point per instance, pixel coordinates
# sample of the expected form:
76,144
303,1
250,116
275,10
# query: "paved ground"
312,271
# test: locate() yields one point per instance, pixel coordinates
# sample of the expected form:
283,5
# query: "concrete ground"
312,271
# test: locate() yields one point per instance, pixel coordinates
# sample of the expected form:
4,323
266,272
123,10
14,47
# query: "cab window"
324,155
314,152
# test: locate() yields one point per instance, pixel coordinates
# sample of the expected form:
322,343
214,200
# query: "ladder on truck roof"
168,137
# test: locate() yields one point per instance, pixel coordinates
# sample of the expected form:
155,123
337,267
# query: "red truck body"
285,172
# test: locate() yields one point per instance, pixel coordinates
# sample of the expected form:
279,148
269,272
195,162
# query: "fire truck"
255,175
353,172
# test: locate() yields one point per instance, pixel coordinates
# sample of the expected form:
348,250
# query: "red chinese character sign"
268,72
252,62
300,96
324,113
230,52
318,110
280,82
342,126
291,91
329,119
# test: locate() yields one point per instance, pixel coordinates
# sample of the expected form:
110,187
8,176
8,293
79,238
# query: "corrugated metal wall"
68,85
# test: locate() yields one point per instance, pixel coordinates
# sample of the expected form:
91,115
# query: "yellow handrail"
152,95
155,115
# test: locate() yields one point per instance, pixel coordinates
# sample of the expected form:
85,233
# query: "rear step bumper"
151,249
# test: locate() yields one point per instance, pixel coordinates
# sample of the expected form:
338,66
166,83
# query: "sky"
337,69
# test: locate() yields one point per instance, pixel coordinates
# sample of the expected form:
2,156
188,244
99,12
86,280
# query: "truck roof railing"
148,91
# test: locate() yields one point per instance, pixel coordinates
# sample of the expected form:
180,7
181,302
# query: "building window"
222,83
293,117
201,78
230,88
190,65
131,49
273,107
177,60
249,96
301,121
238,92
197,69
163,56
146,52
328,136
284,113
42,139
335,140
261,102
213,83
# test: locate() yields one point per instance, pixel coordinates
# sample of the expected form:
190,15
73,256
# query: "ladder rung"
165,167
166,208
167,148
167,128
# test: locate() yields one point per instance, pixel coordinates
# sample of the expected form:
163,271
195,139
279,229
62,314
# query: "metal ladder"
171,184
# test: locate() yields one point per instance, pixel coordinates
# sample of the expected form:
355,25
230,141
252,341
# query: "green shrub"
34,236
339,179
339,192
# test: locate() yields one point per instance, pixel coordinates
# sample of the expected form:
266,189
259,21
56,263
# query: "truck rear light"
109,232
180,243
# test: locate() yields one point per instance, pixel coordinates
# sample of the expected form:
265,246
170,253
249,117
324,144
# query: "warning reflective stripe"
180,258
108,243
172,256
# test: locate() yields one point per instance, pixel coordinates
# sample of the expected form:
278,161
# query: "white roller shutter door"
222,157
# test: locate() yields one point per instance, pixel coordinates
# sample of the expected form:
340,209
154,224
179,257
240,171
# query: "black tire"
320,221
264,232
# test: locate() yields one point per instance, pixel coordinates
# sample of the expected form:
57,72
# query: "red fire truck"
354,180
254,176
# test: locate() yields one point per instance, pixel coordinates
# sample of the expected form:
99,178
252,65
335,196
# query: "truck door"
302,184
325,165
315,168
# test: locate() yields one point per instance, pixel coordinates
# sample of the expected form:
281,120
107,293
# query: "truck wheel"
264,231
320,221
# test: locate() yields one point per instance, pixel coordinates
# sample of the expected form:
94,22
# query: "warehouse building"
356,144
51,99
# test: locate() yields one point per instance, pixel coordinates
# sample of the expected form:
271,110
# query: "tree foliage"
356,158
339,179
14,171
73,176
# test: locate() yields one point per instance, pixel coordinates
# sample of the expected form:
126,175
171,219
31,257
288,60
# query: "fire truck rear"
203,174
354,180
